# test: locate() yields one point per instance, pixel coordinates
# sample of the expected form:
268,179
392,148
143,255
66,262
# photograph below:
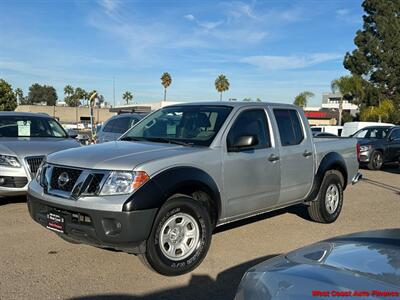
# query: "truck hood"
117,155
23,147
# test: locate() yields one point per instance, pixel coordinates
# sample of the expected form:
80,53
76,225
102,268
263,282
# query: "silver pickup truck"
160,190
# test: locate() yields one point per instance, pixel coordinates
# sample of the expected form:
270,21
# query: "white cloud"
270,62
109,6
189,17
342,12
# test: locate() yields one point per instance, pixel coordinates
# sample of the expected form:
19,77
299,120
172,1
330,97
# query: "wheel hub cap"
179,236
332,198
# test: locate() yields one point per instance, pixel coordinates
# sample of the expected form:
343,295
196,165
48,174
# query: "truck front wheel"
180,237
328,205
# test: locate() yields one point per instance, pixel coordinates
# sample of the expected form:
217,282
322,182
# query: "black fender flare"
331,161
159,188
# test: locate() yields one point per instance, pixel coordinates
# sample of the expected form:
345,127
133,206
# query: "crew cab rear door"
251,176
296,153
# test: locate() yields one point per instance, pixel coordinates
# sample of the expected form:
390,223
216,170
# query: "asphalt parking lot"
36,264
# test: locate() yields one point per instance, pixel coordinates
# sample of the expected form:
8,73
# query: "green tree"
247,99
68,90
80,94
302,98
351,88
166,81
386,112
377,56
19,93
221,85
127,96
42,93
8,100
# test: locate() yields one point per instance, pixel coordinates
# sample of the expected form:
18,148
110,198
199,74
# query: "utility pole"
114,89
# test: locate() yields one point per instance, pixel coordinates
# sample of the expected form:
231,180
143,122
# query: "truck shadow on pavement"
199,287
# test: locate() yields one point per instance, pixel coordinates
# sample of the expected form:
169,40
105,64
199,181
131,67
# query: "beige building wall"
68,114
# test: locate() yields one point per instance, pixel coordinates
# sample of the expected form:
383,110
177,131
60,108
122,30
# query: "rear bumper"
124,231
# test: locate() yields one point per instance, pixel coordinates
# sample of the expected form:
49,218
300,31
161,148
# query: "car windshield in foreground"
30,126
191,125
372,133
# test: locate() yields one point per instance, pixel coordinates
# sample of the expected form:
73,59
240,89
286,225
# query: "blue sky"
268,49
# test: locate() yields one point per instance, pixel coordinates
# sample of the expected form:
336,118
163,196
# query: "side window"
251,122
290,129
121,125
395,134
109,126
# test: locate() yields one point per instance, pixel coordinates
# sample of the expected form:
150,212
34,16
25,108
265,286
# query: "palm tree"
302,98
68,90
127,96
351,88
80,94
166,81
20,95
221,85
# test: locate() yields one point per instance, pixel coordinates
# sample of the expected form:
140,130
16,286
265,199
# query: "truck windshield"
27,126
187,125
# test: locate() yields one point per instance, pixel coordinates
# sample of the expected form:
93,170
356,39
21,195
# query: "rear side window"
251,122
289,125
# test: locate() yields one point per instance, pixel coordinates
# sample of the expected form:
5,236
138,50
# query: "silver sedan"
25,138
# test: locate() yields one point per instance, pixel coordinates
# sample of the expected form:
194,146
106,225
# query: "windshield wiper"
171,141
157,140
129,138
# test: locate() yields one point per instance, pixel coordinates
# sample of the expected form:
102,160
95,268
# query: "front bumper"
13,181
124,231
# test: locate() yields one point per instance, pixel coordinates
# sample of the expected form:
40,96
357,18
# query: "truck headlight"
123,182
9,161
365,148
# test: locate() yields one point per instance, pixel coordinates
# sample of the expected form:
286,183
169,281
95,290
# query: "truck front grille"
34,163
64,179
70,182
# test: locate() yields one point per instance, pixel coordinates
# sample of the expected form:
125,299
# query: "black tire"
154,256
318,210
376,160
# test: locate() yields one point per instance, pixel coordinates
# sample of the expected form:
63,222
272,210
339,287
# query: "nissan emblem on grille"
63,179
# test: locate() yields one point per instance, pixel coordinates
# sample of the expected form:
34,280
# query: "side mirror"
243,142
72,135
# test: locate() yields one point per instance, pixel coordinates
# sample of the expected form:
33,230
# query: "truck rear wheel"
180,237
328,205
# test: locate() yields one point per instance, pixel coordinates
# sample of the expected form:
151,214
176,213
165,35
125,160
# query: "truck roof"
232,103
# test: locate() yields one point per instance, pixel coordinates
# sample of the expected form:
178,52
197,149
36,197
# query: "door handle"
307,153
273,157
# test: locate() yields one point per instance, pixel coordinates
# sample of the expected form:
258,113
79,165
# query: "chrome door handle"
273,157
307,153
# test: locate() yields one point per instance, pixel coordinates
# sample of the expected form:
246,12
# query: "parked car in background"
114,127
339,267
25,138
335,130
378,145
350,128
163,187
